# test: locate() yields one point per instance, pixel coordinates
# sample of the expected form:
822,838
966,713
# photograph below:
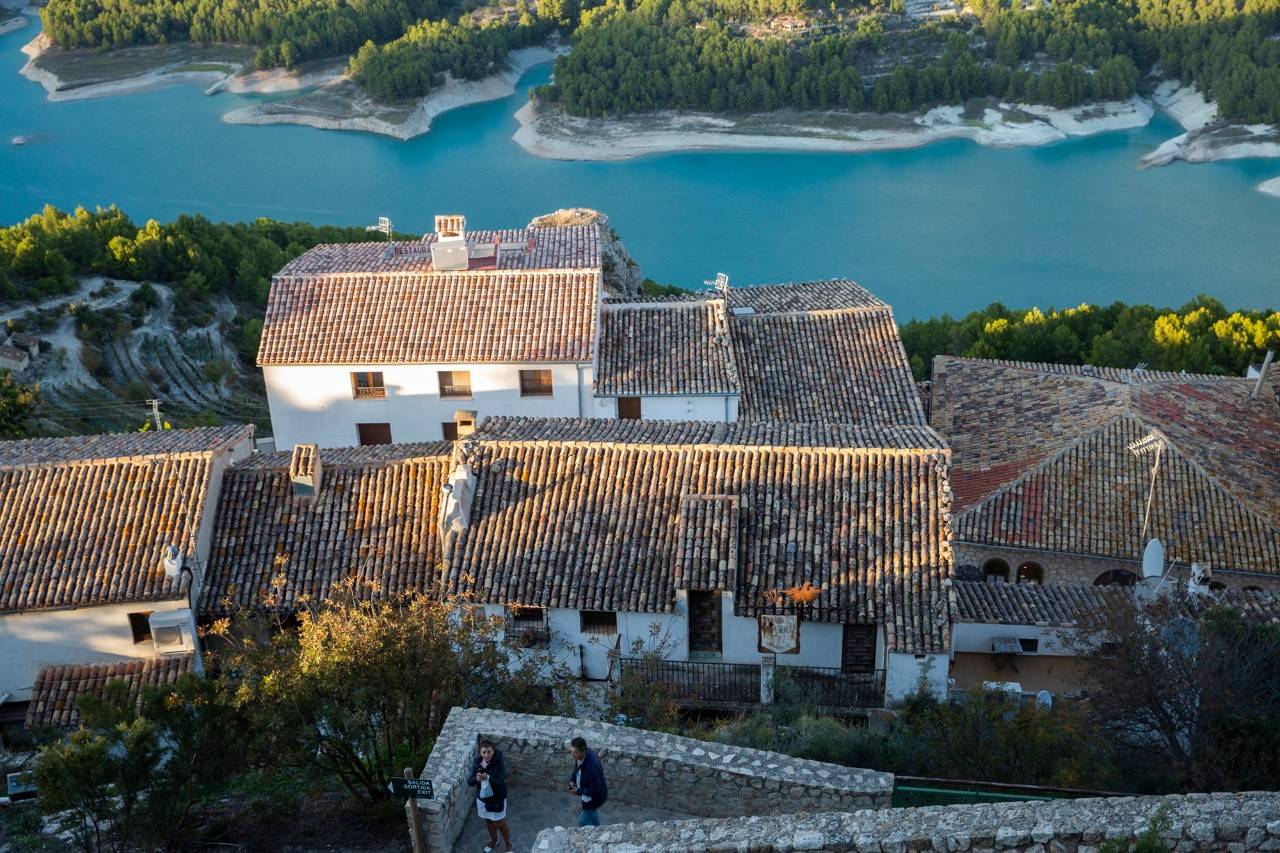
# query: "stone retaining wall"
1226,822
642,768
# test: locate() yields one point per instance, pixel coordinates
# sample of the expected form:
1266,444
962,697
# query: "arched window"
995,571
1217,586
1116,577
1030,573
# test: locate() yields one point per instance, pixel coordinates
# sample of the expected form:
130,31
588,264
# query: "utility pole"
155,412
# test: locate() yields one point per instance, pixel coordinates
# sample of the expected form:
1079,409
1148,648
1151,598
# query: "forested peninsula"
632,57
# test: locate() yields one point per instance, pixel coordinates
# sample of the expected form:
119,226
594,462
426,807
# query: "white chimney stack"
171,560
449,251
455,506
1262,374
305,470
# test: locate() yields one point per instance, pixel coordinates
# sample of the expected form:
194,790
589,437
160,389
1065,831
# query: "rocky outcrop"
621,273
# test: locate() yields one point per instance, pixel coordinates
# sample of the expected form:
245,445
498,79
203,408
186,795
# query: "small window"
140,625
1030,645
450,430
629,408
455,383
599,622
1116,577
995,571
535,383
373,434
1030,573
527,628
367,386
1109,649
1217,586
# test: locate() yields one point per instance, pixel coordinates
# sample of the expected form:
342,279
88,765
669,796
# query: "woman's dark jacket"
497,771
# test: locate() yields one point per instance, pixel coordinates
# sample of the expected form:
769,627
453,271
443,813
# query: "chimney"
466,421
449,251
455,507
1262,374
305,470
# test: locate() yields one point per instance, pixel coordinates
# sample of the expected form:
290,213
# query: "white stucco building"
103,542
376,343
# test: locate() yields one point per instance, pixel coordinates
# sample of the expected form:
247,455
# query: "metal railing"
528,635
700,682
370,392
455,390
532,389
831,686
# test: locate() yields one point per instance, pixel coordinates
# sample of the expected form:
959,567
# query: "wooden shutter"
858,653
704,622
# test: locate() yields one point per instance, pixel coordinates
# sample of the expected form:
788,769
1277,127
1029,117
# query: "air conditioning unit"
173,632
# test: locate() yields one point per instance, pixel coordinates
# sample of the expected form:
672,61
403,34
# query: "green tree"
17,405
361,688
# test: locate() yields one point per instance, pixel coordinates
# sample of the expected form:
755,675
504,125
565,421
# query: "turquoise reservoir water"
949,227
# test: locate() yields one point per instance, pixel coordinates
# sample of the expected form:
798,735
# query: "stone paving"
531,811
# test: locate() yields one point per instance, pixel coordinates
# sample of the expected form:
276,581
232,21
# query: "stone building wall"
1234,823
642,768
1077,570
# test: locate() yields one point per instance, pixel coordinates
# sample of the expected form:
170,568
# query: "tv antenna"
384,226
720,284
1151,443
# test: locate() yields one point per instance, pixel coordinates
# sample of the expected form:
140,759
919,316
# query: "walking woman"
490,774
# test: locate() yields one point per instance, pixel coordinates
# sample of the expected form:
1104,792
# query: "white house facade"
103,543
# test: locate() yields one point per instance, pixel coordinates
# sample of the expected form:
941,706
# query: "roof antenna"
720,284
1152,442
384,225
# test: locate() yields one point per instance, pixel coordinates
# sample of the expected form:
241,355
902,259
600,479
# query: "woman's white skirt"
485,814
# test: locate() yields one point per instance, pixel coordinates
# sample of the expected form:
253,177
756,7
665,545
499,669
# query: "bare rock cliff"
621,273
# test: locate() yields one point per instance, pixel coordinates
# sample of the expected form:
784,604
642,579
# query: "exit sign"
416,788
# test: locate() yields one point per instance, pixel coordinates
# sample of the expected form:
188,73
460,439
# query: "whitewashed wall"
708,408
967,637
40,638
313,404
903,674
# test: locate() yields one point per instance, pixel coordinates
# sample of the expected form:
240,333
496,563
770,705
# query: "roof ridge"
1245,506
1044,463
1080,371
244,431
478,439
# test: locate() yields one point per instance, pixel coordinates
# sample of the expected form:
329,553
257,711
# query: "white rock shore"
367,115
552,134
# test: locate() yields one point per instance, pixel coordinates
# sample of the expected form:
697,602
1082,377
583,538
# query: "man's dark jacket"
592,784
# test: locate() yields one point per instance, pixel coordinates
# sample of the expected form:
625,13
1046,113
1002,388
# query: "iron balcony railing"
831,686
533,389
455,390
699,682
370,392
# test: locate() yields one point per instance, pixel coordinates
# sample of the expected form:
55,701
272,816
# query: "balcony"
458,392
371,393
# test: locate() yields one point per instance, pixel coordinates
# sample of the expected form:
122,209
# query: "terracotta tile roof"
82,526
38,451
774,434
818,351
1041,461
464,317
372,521
1074,606
569,248
1027,604
707,543
598,525
845,366
823,295
675,348
53,699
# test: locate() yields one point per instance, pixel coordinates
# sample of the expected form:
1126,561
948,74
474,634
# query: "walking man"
587,782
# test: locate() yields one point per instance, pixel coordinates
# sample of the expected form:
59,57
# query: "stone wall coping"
1227,821
456,744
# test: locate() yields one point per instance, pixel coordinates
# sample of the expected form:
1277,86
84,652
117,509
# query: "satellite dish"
1044,699
1153,559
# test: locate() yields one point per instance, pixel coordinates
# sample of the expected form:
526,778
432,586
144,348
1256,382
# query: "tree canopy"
1200,337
